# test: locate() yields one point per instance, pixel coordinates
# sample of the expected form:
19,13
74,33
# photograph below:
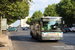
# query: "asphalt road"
22,40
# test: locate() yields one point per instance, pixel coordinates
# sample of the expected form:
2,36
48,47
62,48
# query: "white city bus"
47,28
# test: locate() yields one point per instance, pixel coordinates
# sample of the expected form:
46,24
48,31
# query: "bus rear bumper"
52,38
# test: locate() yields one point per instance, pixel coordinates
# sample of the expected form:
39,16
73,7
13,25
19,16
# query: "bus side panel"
37,30
32,29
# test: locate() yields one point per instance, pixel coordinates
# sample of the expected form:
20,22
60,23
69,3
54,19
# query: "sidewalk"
5,43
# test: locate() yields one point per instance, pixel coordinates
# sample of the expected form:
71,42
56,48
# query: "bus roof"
37,19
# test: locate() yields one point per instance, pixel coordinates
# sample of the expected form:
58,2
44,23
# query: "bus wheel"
31,34
38,37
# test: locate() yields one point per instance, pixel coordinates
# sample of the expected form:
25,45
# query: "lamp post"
20,20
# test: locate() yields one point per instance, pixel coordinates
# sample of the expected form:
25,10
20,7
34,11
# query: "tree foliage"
14,9
66,9
50,10
28,21
36,14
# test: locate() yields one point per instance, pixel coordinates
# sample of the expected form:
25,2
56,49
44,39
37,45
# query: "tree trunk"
0,25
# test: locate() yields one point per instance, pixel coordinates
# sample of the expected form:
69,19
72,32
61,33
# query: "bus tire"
32,37
38,38
31,34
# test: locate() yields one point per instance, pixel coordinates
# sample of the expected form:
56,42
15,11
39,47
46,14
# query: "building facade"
23,22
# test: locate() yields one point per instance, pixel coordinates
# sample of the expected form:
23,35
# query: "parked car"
24,28
72,29
12,29
65,30
28,27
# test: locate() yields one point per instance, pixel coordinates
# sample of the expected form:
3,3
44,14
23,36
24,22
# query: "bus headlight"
44,34
60,34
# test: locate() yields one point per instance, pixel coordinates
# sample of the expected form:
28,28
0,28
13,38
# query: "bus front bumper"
52,38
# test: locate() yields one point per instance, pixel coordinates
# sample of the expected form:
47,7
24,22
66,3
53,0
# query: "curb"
10,47
4,48
10,42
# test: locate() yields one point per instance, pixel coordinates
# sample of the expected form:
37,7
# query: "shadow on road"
22,38
28,38
68,40
73,44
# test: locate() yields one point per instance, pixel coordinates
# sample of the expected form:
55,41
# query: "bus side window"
34,26
37,25
31,25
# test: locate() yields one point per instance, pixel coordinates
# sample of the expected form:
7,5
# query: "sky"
38,5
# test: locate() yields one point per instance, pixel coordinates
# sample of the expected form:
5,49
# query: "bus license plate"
52,38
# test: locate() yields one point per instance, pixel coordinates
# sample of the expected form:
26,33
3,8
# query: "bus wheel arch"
31,34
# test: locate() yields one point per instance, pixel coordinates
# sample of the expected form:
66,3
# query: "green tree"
36,14
66,9
28,21
50,10
14,9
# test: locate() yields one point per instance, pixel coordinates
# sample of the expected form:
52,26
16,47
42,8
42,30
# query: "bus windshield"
51,24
